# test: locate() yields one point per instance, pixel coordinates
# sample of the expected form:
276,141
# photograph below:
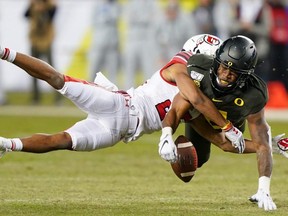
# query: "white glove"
280,145
167,148
262,197
235,136
264,200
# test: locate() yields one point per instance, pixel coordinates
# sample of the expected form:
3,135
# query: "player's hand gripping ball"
187,161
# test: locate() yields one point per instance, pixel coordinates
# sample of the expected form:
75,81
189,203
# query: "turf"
128,179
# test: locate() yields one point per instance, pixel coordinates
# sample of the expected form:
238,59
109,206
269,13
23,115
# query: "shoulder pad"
200,62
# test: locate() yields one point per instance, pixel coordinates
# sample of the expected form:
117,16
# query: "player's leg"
41,143
93,99
86,135
92,134
37,143
34,67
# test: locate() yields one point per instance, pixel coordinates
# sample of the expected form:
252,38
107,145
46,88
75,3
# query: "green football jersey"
235,105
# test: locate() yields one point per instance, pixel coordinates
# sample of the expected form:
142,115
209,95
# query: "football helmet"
238,53
203,43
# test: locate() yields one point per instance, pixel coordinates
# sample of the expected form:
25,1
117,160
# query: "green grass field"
128,179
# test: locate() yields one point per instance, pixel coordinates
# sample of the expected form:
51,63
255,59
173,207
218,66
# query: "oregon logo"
239,102
230,64
197,83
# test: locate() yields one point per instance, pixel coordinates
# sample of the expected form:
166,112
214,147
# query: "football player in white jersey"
115,116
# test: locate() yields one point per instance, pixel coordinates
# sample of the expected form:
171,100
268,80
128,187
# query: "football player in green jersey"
228,79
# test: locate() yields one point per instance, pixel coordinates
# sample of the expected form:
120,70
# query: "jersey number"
163,108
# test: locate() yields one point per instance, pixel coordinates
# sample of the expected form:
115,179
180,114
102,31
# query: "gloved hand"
280,145
264,200
262,197
167,148
235,136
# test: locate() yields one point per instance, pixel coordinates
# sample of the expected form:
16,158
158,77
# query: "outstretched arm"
195,96
203,104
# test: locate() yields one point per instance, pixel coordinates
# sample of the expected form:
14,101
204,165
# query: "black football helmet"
238,53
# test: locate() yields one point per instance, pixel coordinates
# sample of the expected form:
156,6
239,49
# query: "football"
187,161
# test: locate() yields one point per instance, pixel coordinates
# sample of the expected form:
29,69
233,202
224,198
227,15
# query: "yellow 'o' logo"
197,83
239,102
230,64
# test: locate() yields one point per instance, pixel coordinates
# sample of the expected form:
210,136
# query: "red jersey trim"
179,58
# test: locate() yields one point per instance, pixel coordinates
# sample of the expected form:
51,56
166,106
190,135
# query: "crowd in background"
132,39
153,37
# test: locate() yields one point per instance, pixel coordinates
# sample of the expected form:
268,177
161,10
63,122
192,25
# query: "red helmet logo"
211,40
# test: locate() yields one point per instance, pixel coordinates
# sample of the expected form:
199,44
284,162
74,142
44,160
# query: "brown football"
187,161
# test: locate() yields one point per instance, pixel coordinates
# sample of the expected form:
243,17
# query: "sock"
13,144
17,144
7,54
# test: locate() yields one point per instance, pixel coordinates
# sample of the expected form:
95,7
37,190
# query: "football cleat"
280,145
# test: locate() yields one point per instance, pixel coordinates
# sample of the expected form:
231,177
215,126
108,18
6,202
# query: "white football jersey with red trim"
152,100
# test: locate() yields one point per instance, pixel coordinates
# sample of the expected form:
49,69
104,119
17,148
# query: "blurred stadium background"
70,47
73,37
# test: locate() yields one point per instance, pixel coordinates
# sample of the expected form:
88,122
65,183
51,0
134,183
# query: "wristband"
167,130
8,55
228,126
264,184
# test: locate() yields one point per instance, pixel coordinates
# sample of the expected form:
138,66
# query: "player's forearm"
204,105
261,137
264,160
198,99
171,120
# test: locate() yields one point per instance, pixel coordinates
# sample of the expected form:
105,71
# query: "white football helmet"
203,43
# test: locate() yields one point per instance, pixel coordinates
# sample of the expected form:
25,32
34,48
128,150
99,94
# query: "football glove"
280,145
167,148
264,200
262,197
235,136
